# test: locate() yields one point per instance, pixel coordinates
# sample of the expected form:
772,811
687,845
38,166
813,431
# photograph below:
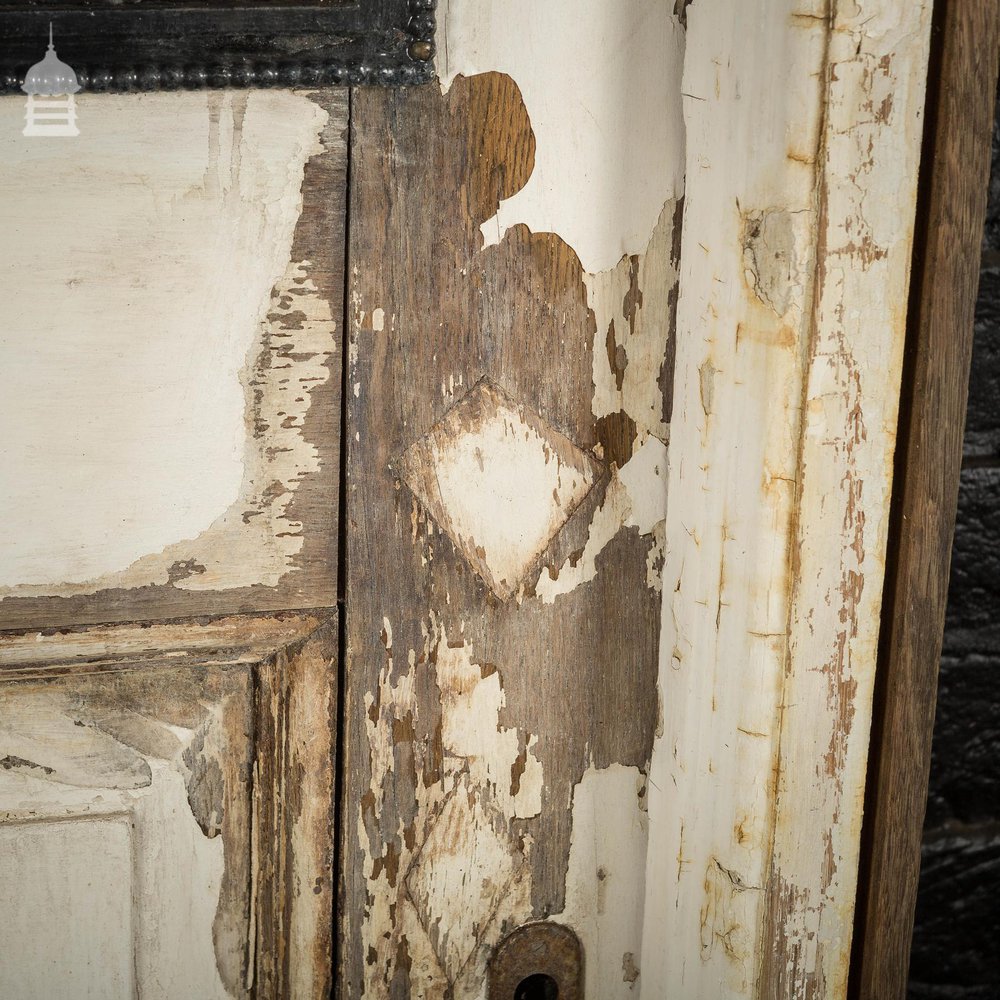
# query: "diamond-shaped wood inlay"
499,480
457,880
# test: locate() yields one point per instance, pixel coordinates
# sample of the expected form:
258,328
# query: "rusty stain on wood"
954,169
875,75
792,295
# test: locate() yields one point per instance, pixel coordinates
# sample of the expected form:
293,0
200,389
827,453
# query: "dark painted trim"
157,45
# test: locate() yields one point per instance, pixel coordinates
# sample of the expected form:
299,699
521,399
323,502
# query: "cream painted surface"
499,481
785,402
68,935
631,304
601,82
605,878
167,871
468,700
731,483
143,256
872,133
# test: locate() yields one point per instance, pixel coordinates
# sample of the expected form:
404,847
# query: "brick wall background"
956,941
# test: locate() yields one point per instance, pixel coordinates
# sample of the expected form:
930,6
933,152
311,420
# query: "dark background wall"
956,940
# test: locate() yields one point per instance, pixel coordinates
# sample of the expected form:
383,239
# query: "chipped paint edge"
753,576
876,78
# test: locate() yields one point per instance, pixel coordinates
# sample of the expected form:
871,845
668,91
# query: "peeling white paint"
456,874
141,285
605,878
873,128
601,83
470,728
636,497
460,876
644,478
631,304
798,213
154,915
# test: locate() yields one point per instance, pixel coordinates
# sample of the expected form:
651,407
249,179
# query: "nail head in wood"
421,50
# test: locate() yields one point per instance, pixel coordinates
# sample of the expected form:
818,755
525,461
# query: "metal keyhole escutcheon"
538,961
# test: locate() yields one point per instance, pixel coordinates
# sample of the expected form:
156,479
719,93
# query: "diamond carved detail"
460,875
499,480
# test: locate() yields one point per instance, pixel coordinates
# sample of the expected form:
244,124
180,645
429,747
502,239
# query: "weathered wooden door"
610,325
626,306
171,411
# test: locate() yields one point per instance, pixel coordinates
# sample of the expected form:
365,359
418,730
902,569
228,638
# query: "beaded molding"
144,48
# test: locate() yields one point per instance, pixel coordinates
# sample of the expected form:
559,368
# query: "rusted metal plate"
539,961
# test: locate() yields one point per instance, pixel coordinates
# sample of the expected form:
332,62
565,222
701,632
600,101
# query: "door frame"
955,164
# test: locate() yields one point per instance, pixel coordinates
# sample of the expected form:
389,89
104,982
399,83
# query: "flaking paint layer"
160,342
486,743
601,84
444,886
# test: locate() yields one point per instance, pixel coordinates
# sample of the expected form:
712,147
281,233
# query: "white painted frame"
803,131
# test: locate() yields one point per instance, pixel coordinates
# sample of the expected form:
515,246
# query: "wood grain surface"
494,653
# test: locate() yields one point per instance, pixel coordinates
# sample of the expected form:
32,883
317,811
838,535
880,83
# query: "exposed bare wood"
955,167
293,800
233,639
503,591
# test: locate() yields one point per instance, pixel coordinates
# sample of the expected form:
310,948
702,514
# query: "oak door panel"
502,589
167,828
170,366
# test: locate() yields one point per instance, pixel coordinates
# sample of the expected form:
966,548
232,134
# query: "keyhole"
516,965
537,987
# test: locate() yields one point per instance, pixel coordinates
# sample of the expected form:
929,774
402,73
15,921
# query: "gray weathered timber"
478,693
